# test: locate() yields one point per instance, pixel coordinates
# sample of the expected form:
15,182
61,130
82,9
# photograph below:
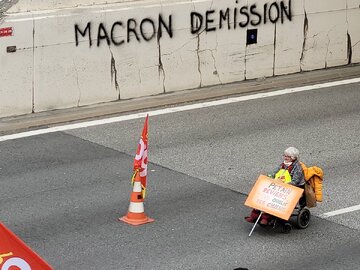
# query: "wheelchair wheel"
286,228
303,219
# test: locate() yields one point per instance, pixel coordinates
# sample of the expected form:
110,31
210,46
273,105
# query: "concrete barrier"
63,54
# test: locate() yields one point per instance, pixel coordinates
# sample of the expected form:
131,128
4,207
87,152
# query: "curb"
15,124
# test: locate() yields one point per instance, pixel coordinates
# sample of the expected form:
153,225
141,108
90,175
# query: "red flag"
141,158
15,254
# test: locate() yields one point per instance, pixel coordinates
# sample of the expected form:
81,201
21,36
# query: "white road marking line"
175,109
340,211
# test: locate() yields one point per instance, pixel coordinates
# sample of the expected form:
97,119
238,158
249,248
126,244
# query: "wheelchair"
301,214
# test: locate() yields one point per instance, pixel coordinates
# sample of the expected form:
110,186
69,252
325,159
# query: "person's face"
287,158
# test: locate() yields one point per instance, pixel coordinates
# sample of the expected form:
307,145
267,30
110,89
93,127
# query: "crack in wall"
355,44
306,28
215,71
245,53
113,71
214,61
198,48
193,5
245,62
161,66
327,50
349,49
198,57
179,48
212,54
33,69
328,45
274,51
315,35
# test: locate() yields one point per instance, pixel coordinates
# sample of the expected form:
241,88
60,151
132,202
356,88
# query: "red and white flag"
141,158
15,254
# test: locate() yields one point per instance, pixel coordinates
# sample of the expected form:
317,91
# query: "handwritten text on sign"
274,197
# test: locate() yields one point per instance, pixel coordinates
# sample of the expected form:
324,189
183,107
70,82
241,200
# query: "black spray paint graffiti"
148,28
240,16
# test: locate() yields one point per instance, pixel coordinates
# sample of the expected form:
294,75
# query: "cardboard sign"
15,254
274,197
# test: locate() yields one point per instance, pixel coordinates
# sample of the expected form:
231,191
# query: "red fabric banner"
15,254
141,158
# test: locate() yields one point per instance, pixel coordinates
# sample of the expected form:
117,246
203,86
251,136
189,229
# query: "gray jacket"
296,173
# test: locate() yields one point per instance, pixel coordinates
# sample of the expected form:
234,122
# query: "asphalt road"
62,193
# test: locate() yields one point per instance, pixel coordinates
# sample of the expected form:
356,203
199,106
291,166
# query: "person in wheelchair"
290,172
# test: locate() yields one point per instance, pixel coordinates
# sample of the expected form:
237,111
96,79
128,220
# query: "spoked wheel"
303,218
286,228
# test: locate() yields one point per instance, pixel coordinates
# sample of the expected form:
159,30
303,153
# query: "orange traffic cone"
136,215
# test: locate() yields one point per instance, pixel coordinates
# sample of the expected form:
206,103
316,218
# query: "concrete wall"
70,55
